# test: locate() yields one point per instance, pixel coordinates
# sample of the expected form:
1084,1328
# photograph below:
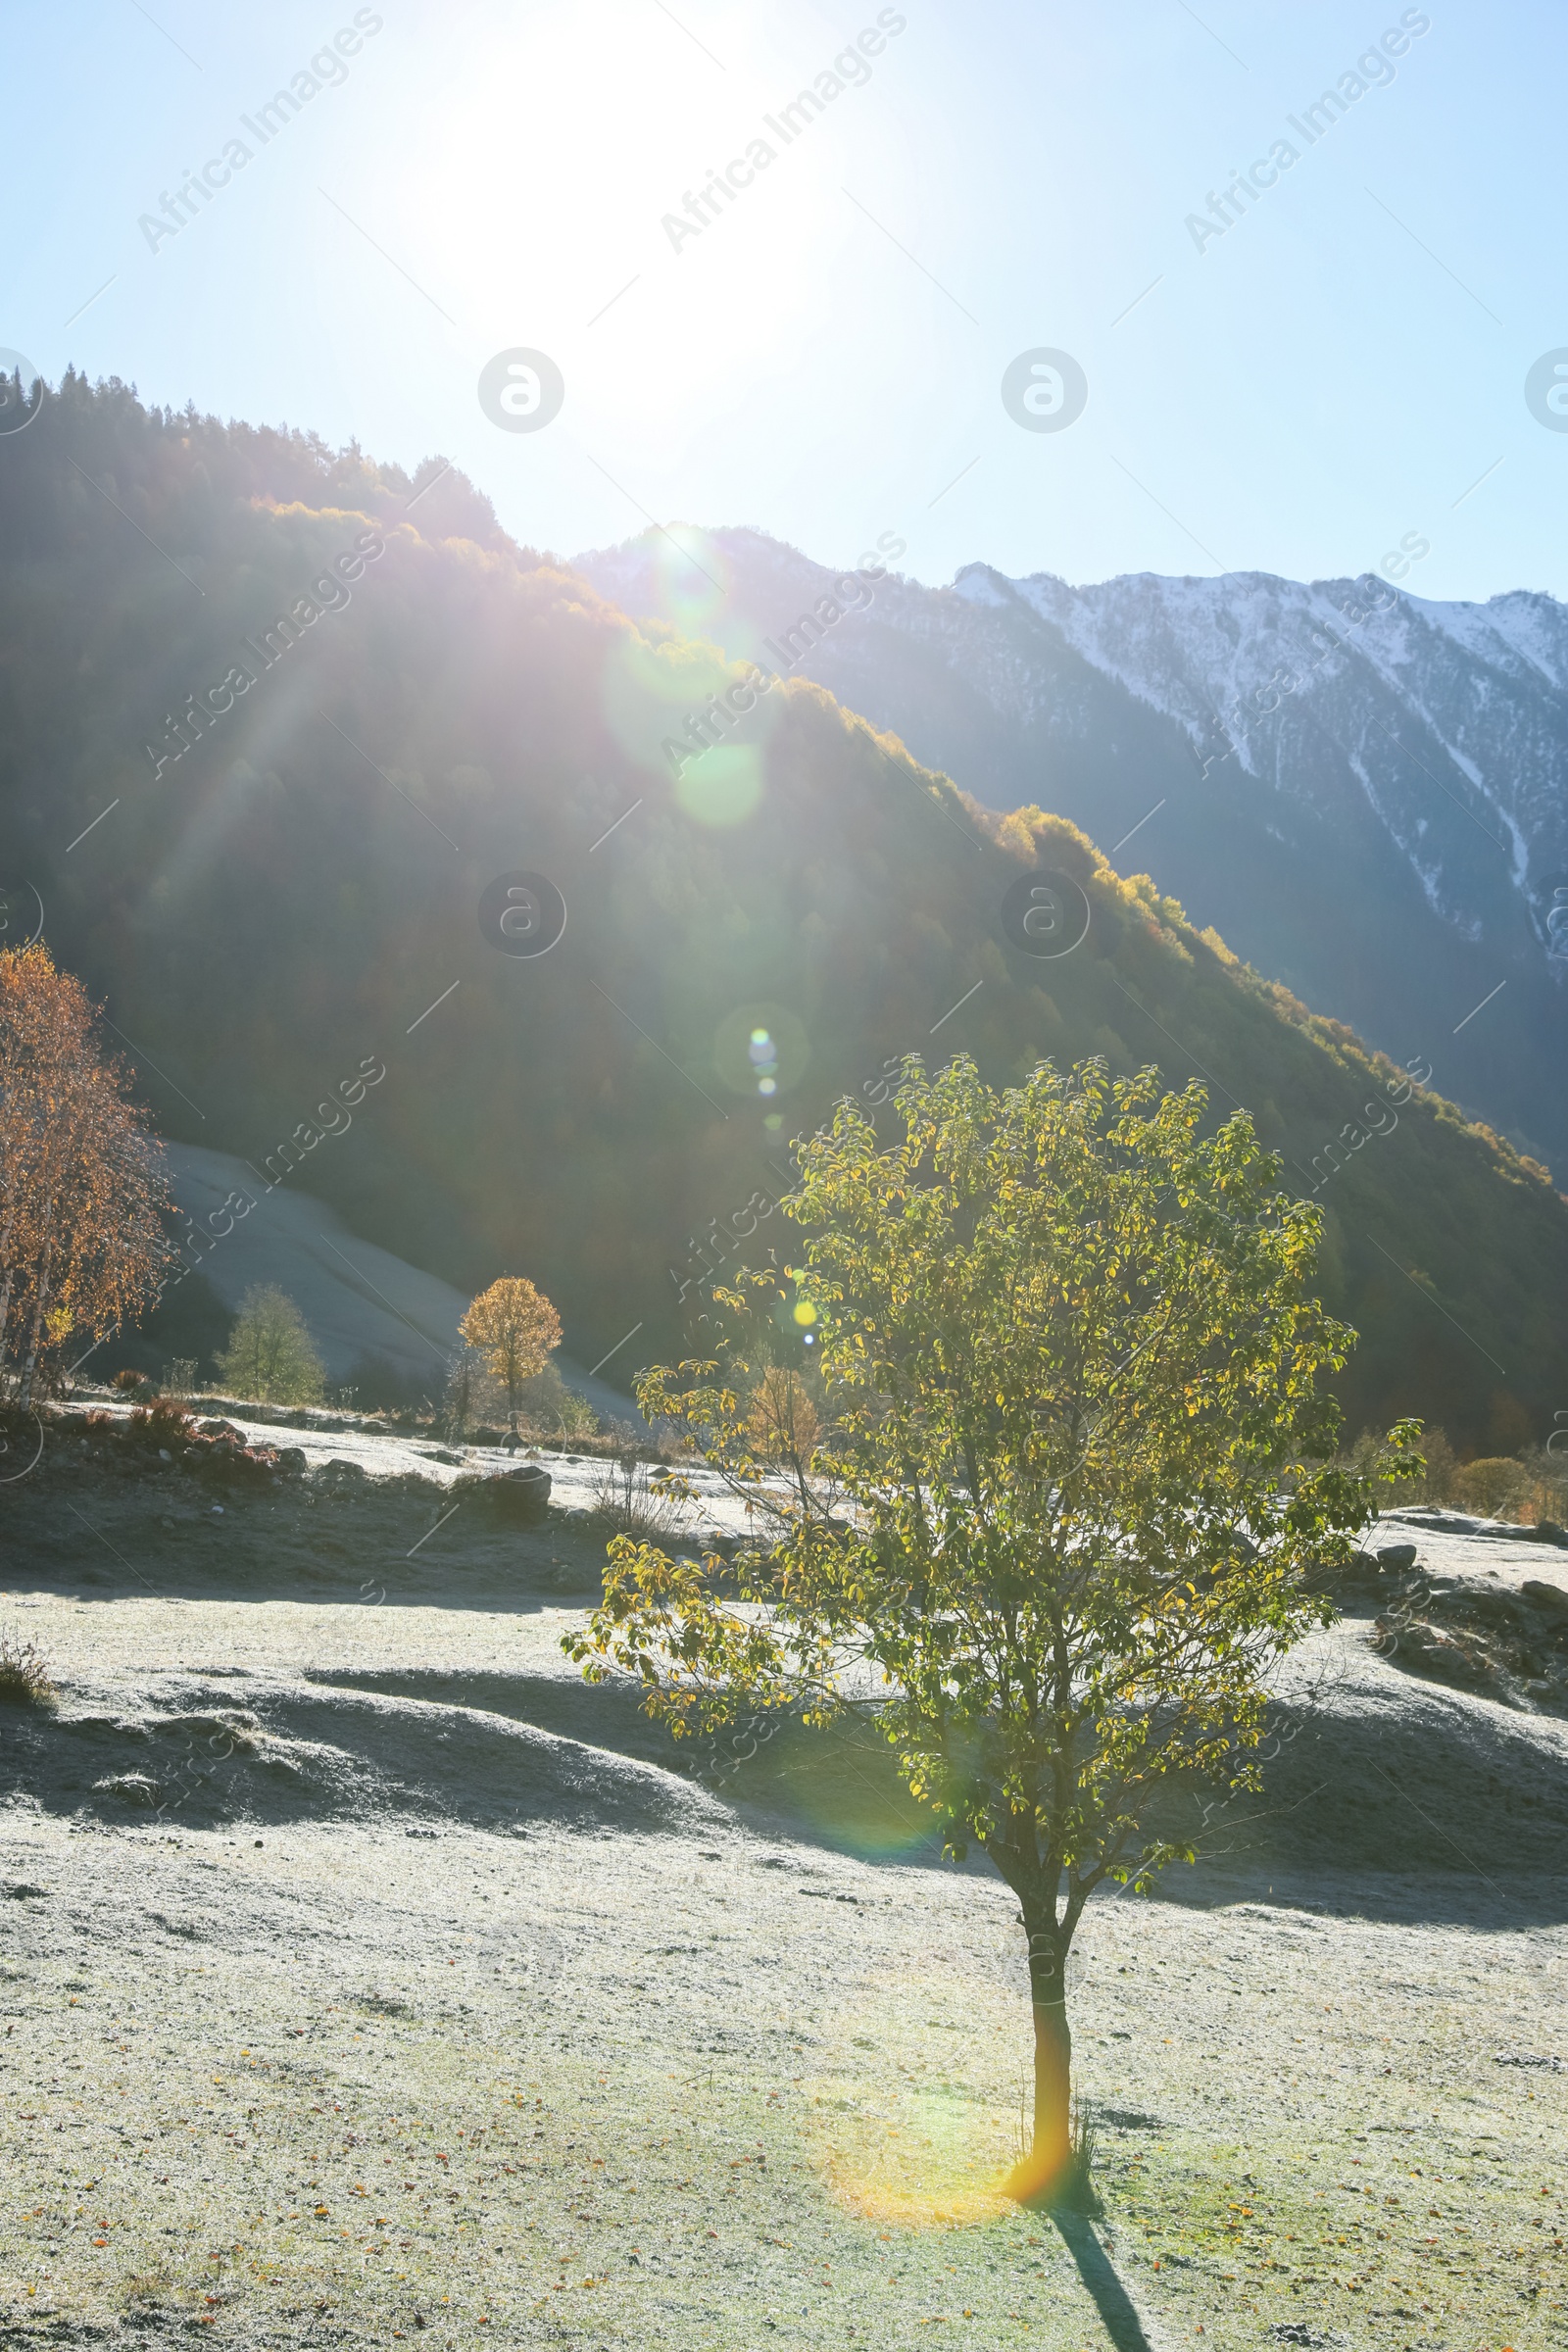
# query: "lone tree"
80,1242
1072,1494
271,1356
514,1328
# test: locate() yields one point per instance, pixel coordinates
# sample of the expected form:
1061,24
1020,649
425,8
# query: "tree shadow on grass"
1106,2291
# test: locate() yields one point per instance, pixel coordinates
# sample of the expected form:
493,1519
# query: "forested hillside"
279,892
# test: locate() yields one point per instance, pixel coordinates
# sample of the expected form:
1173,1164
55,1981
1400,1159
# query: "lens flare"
761,1049
724,787
691,581
762,1055
907,2130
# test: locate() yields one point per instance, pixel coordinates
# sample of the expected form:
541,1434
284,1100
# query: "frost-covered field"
367,1979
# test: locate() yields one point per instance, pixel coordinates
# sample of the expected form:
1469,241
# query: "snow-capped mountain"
1364,792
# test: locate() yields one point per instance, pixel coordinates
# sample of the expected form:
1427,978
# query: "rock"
1493,1607
519,1496
293,1457
1550,1597
1396,1556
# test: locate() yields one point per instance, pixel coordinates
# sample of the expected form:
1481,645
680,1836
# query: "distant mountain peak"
1364,789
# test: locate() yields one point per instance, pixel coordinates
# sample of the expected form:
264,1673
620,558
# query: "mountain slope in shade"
309,890
372,1317
1365,793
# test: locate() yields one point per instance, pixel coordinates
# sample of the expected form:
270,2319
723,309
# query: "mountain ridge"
1282,752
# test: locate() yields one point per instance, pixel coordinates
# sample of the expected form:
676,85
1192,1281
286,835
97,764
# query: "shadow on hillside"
1431,1807
228,1749
122,1532
1411,1814
837,1788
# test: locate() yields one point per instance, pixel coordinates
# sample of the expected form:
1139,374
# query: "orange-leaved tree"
514,1328
81,1242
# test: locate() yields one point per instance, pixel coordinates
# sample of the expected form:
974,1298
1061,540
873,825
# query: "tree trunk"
1040,2174
32,1364
1048,1995
5,1298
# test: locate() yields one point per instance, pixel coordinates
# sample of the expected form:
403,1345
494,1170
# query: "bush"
554,1410
630,1500
475,1402
24,1677
270,1357
1547,1495
783,1422
1436,1480
1494,1485
165,1422
1371,1456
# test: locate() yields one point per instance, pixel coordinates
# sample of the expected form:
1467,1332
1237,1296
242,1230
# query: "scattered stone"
1396,1556
517,1498
338,1477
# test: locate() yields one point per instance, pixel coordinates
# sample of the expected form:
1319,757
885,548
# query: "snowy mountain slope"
1365,792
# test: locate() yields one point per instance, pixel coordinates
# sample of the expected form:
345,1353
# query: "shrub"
631,1500
1548,1494
1373,1457
1494,1485
164,1422
556,1410
1436,1480
783,1422
24,1679
475,1402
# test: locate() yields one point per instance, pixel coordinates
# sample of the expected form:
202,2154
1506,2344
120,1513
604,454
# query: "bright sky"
1342,366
